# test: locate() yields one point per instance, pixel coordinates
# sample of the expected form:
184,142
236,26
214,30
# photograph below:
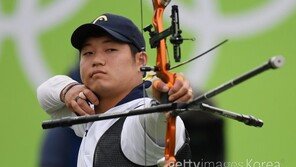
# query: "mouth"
97,72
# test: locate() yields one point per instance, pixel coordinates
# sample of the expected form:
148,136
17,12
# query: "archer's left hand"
180,92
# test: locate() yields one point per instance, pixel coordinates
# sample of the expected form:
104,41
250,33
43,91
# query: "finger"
85,106
180,93
76,108
179,83
91,96
184,98
72,93
160,86
69,104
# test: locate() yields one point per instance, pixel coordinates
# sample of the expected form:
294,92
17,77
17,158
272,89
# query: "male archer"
112,51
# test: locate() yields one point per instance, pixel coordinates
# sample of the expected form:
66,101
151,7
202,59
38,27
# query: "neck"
108,101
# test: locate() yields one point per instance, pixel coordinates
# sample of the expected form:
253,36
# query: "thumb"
160,86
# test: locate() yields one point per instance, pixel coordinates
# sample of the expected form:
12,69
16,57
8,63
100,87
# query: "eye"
110,50
87,53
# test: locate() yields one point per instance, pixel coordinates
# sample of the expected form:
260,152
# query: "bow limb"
162,66
161,62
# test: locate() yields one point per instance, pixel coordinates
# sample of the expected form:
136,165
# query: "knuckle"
90,95
95,101
181,91
157,84
74,105
80,113
84,107
86,91
80,102
175,90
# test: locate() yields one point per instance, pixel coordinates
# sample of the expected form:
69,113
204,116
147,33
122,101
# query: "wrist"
66,89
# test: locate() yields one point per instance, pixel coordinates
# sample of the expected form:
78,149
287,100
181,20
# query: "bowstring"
143,88
148,76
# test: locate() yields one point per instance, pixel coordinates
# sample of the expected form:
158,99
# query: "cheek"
123,68
82,75
83,72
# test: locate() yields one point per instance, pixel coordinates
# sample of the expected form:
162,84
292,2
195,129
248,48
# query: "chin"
100,88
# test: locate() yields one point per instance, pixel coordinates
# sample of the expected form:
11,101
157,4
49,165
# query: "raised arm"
60,91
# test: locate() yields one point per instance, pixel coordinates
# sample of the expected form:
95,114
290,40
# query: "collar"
138,92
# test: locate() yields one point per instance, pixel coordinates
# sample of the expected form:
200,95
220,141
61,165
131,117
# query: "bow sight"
174,31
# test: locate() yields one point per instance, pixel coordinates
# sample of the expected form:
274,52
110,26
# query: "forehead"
102,39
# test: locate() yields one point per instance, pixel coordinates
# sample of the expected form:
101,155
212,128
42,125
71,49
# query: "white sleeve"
148,149
48,95
156,126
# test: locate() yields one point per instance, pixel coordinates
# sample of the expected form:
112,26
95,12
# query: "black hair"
134,49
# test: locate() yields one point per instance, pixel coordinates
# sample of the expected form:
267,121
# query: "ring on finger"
82,95
76,98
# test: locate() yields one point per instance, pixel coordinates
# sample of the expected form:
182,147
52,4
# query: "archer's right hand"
77,99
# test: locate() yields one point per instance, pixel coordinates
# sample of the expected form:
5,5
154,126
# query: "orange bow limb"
161,62
162,66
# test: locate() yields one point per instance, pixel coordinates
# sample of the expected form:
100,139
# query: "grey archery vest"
108,150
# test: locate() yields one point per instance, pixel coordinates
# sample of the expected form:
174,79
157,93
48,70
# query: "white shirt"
142,137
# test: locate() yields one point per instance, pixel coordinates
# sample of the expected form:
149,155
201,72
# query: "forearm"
48,93
49,97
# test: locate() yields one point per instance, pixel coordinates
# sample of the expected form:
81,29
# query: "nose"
99,60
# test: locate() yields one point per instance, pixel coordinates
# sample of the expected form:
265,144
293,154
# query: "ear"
141,59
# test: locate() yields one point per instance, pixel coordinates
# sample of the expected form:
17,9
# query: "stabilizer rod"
246,119
273,63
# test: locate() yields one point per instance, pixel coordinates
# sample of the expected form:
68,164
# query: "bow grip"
169,79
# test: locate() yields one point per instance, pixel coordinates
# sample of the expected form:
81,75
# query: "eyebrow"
108,41
104,42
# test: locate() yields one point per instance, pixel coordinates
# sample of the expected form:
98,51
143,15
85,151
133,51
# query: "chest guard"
108,149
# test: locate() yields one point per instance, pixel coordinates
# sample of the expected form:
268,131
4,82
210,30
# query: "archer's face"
108,67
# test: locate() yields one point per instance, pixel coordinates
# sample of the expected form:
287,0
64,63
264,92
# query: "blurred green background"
269,96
